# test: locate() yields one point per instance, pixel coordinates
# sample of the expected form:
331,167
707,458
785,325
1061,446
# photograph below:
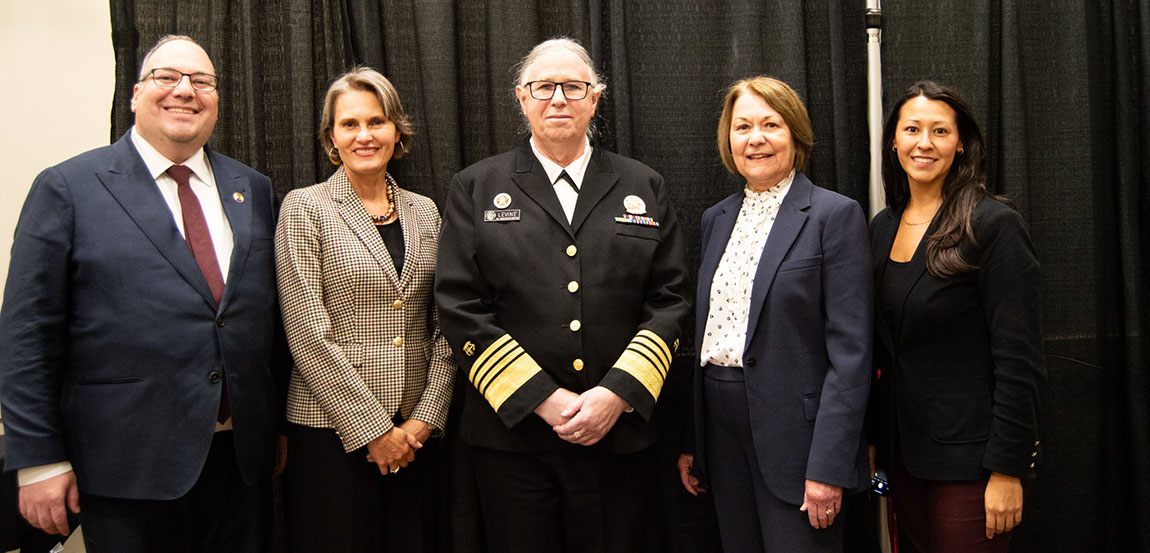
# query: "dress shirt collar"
158,164
576,170
779,189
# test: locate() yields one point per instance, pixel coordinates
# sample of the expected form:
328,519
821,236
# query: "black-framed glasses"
545,90
170,78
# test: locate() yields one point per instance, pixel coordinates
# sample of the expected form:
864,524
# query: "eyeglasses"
545,90
170,78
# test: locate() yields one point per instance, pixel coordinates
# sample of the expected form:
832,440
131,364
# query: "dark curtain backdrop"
1060,87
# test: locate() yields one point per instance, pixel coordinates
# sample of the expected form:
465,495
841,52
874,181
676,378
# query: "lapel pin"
502,200
239,198
634,205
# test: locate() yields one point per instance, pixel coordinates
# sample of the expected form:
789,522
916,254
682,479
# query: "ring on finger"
830,512
575,434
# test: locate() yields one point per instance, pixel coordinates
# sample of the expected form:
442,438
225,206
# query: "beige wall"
58,70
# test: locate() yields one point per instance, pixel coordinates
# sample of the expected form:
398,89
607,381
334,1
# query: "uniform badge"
469,348
635,205
502,200
239,198
675,347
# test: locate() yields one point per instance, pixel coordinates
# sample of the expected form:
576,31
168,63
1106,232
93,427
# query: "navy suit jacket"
112,349
807,360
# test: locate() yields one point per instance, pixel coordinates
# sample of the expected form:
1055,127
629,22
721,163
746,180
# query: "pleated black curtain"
1060,87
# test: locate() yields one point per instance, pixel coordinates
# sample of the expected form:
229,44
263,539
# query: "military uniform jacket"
531,303
364,339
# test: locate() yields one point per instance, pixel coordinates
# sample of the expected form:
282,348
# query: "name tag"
500,215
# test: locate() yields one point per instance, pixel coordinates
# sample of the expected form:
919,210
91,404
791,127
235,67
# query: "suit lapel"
530,177
597,182
790,220
411,242
133,187
885,240
359,221
716,243
234,191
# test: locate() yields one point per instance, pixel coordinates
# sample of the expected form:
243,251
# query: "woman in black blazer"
959,349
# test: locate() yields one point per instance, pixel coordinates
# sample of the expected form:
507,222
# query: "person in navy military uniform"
561,287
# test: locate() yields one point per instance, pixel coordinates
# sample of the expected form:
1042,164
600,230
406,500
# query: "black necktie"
571,181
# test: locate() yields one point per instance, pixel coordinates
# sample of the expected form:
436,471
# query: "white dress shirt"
568,197
725,337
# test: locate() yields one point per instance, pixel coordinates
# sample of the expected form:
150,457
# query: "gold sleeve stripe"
656,345
647,359
501,369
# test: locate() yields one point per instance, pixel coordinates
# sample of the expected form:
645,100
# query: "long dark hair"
962,188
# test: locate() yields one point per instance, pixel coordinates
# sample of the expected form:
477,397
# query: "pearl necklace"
381,219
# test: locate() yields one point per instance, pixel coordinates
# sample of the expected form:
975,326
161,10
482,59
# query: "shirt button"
572,250
214,377
576,325
397,341
397,305
572,286
577,364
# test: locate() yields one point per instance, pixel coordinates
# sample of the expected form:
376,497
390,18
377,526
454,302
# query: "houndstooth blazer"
365,341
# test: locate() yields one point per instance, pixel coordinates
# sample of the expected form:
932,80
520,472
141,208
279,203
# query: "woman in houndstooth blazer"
373,375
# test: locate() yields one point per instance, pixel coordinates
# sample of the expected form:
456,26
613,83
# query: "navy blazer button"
220,322
214,377
751,362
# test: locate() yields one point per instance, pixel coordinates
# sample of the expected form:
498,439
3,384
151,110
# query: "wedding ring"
575,435
830,511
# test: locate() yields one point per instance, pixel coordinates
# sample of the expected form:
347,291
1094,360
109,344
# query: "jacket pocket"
811,406
106,381
959,410
354,353
800,264
638,231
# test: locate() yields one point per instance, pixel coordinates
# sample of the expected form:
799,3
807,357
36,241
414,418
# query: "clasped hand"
395,448
582,419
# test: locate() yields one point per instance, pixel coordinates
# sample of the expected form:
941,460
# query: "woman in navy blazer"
783,327
960,350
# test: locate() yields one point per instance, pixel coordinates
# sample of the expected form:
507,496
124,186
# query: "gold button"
1035,443
397,304
1034,454
397,341
1031,465
576,325
572,286
572,250
578,364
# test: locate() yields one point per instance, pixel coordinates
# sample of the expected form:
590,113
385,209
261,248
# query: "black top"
892,289
392,234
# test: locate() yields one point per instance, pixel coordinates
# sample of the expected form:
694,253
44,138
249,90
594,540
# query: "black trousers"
578,500
339,502
220,514
751,518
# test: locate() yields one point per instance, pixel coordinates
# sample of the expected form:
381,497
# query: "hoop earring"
333,155
894,148
961,151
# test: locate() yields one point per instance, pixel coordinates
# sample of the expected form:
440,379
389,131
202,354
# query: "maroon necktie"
200,243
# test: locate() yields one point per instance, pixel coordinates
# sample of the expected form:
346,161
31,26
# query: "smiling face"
926,140
558,120
362,134
761,143
176,121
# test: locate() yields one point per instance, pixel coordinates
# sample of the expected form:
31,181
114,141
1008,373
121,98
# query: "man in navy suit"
137,330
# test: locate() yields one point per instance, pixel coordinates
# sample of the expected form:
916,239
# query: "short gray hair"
144,69
365,79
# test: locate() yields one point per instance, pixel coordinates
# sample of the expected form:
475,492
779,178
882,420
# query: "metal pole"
874,102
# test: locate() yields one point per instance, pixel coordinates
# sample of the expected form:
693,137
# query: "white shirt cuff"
31,475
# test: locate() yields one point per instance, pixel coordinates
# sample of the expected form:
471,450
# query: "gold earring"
894,148
961,151
333,155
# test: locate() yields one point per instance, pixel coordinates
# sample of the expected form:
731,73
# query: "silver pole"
874,102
